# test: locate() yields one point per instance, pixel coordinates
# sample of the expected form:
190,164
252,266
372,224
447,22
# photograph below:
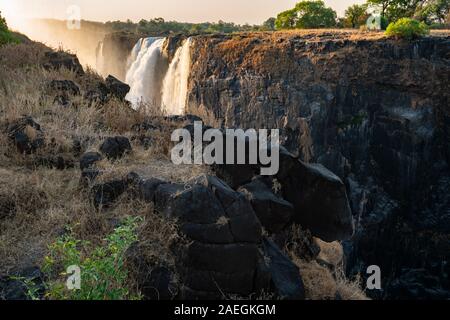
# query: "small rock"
104,195
115,147
89,159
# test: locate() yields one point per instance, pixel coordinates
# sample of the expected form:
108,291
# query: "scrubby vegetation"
406,28
103,267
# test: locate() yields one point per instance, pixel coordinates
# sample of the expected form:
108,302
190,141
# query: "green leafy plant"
6,36
103,272
407,28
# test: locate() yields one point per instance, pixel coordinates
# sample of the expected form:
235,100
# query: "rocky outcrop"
373,111
61,59
117,88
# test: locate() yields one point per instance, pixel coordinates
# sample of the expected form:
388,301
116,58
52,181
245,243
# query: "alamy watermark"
231,146
73,21
74,278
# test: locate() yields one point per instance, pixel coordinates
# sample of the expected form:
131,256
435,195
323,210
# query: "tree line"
315,14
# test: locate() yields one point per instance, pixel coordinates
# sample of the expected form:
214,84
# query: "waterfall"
153,81
146,69
99,61
175,84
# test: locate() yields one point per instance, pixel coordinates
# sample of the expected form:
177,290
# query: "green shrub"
407,28
5,35
103,274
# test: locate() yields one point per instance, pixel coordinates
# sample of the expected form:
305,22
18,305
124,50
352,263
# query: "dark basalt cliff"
374,111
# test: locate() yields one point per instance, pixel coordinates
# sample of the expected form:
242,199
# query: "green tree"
433,11
286,20
381,5
429,11
307,15
356,15
5,35
269,24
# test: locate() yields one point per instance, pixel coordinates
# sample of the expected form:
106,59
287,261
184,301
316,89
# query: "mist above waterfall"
153,81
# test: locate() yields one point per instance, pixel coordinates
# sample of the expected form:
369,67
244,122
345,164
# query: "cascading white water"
175,84
99,63
146,65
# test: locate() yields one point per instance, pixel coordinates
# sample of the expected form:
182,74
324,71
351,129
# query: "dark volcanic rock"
225,233
148,187
417,284
273,212
7,206
60,59
115,147
155,282
104,195
379,123
319,198
66,86
117,88
13,287
26,134
89,159
285,275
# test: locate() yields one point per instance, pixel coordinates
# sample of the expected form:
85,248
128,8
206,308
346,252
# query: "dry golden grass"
324,277
47,201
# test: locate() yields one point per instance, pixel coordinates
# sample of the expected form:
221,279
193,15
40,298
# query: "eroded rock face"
374,112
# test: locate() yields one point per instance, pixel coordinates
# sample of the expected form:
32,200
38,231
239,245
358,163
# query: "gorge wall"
374,111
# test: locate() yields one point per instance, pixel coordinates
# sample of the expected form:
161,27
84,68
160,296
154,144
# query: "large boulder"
115,147
319,198
26,134
61,59
224,234
274,213
117,88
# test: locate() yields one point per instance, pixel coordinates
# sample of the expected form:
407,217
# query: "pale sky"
239,11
